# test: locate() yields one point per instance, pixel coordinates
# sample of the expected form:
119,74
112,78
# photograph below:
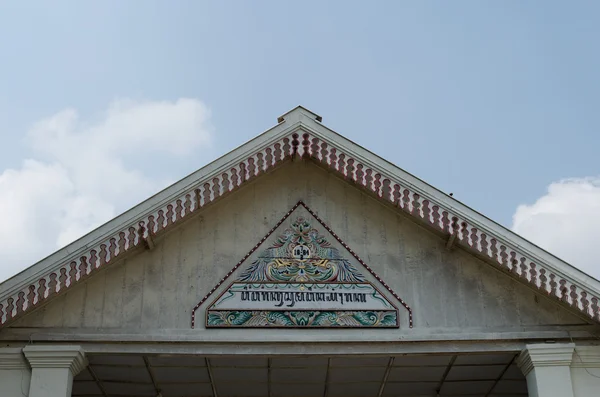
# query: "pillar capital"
545,355
56,356
12,358
547,368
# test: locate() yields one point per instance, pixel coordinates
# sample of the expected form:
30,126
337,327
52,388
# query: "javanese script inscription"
265,296
290,298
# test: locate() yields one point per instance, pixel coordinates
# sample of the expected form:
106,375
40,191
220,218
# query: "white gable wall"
448,291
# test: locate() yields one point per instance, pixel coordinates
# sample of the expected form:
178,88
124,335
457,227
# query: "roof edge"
86,242
479,220
299,134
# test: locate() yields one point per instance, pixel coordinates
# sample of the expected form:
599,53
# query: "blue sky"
496,102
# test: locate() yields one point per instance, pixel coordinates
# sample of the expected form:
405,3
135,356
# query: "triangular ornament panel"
301,275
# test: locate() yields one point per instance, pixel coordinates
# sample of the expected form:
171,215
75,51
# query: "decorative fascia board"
12,358
299,135
56,356
545,355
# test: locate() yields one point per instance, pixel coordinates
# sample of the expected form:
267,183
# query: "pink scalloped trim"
504,255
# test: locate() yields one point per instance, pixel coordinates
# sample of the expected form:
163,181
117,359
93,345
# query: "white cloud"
86,172
566,222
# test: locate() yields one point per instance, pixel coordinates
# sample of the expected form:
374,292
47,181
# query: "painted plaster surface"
157,289
15,383
585,371
586,381
15,373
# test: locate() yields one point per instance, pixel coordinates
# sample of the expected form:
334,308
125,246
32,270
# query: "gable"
299,135
157,289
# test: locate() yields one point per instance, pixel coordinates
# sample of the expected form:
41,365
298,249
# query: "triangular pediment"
156,290
302,275
299,136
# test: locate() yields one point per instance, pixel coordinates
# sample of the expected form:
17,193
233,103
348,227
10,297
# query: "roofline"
147,206
425,189
309,139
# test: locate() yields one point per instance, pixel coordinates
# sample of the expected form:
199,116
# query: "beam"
326,389
293,349
210,378
446,372
245,338
501,375
152,377
97,380
269,377
385,376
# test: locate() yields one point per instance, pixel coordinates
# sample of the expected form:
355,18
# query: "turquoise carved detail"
301,254
247,318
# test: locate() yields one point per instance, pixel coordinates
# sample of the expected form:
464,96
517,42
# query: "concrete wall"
585,371
447,290
586,382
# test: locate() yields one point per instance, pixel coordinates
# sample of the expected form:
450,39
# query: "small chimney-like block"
297,114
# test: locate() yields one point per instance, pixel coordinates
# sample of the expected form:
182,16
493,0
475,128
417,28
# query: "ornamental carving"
301,280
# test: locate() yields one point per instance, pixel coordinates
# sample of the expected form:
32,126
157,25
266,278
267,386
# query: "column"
14,373
547,369
53,368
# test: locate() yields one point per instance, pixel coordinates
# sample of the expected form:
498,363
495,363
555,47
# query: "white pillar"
14,373
547,369
53,368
